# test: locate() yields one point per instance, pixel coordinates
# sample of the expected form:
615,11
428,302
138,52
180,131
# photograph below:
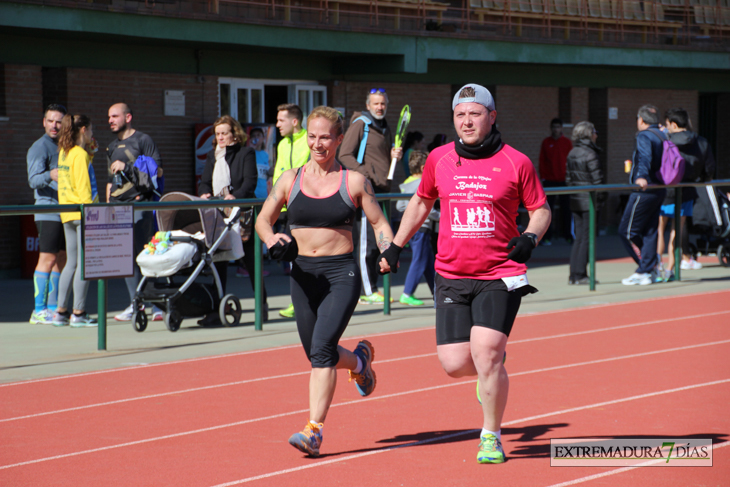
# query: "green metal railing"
384,199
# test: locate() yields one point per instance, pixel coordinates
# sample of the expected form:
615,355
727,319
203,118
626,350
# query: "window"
255,101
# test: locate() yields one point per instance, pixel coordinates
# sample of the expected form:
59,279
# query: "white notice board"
108,233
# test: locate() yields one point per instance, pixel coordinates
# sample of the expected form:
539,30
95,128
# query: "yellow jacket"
74,185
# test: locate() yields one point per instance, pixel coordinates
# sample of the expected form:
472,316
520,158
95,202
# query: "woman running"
321,199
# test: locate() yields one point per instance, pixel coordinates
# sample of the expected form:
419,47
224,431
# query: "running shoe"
308,440
126,315
157,314
410,300
42,317
60,319
490,450
637,279
82,321
365,381
288,312
374,298
669,275
690,265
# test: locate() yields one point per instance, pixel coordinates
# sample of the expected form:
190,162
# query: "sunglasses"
377,90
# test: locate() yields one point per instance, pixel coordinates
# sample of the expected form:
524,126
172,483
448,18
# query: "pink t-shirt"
479,201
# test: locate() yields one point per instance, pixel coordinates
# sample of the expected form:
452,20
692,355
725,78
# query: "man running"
480,276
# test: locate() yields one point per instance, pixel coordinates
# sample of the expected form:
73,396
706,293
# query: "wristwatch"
532,237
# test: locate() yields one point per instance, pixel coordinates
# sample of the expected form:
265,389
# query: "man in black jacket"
128,184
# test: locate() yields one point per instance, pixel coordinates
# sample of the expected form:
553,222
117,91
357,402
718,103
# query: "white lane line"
463,433
294,374
387,396
428,328
624,469
621,303
200,359
620,327
192,389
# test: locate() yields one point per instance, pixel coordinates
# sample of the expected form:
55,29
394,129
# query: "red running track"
646,368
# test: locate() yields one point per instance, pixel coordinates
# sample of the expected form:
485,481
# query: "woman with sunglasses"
321,199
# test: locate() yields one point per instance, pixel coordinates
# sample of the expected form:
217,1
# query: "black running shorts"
51,238
463,303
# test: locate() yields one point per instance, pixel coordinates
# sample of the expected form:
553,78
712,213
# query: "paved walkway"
34,351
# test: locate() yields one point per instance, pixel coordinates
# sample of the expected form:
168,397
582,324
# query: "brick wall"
523,116
93,91
622,131
23,96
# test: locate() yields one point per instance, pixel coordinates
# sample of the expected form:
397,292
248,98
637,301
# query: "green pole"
386,278
677,233
258,277
592,239
101,309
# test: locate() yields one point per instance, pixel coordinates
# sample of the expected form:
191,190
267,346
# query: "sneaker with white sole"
690,265
126,315
366,380
42,317
157,314
82,321
490,450
637,279
60,319
308,440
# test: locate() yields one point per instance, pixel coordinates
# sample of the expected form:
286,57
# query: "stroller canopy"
207,220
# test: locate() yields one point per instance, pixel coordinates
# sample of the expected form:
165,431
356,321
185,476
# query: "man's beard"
119,128
378,117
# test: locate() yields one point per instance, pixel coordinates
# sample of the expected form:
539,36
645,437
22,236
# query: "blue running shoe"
308,440
490,450
365,381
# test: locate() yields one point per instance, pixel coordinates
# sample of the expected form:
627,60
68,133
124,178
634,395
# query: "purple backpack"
672,168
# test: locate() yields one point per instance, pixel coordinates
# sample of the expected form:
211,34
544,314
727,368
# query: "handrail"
383,198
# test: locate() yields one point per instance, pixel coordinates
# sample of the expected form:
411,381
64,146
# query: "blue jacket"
42,157
647,159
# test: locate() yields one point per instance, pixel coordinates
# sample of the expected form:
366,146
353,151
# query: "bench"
619,13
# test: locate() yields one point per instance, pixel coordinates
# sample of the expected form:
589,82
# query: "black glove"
283,250
523,246
391,255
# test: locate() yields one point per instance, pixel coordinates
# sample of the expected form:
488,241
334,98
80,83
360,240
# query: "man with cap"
481,273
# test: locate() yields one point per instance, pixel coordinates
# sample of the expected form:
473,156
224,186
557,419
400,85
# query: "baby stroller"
711,221
198,238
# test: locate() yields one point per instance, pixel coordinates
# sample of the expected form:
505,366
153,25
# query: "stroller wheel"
173,321
139,320
723,254
229,310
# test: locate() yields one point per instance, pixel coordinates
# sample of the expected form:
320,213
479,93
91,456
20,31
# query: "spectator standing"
553,155
438,141
130,185
413,142
422,259
230,173
42,162
291,153
258,143
582,169
699,167
368,149
74,188
638,226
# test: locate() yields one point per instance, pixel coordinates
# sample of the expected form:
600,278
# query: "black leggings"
324,291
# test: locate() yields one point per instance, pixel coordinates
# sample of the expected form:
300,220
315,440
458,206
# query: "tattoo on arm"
272,196
369,190
383,242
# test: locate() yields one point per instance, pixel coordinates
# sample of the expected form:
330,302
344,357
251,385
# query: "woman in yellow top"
74,187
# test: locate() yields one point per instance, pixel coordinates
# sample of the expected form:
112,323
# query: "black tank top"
334,211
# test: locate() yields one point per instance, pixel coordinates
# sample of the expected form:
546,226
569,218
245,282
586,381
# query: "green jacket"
288,158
